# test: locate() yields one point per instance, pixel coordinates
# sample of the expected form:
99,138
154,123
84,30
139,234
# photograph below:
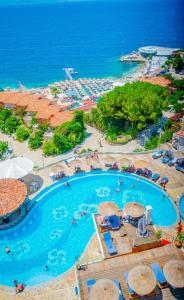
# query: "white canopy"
15,168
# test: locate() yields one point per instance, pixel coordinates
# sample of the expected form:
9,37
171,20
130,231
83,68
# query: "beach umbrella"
174,273
107,208
57,168
16,167
109,159
124,161
141,164
142,280
104,289
134,209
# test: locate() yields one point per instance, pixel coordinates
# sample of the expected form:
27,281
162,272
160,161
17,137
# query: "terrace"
115,268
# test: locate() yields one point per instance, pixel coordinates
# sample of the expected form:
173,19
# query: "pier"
68,72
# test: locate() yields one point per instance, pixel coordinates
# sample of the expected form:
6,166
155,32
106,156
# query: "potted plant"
158,234
179,240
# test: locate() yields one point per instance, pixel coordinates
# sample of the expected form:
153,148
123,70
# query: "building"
13,199
156,51
178,139
37,106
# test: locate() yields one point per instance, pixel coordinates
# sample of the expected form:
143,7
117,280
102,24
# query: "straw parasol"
75,163
104,289
142,280
15,167
109,159
134,209
141,164
57,169
107,208
174,273
124,161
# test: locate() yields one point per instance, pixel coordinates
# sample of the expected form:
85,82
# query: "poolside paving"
63,287
115,268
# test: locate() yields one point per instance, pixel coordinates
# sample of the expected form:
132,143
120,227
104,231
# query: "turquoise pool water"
181,206
48,237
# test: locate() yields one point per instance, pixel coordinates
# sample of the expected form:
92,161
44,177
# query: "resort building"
34,105
156,51
13,198
178,139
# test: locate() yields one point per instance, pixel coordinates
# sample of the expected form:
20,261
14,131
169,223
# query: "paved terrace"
116,267
63,287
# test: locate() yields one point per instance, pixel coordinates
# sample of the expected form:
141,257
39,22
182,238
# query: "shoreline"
134,72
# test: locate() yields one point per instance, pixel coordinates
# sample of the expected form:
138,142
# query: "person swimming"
67,183
74,221
133,185
7,250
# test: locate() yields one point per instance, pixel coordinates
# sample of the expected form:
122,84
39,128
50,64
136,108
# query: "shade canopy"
142,280
141,164
174,273
124,161
134,209
12,194
57,169
104,289
107,208
15,168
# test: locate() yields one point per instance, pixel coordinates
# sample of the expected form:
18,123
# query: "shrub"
35,141
3,148
49,148
22,133
166,136
152,143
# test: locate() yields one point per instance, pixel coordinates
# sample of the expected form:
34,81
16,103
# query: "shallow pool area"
47,235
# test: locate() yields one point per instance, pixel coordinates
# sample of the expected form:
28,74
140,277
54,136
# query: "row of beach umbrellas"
141,280
132,209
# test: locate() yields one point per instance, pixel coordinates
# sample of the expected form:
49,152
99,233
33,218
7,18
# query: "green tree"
22,133
54,91
3,148
132,106
35,141
177,63
49,148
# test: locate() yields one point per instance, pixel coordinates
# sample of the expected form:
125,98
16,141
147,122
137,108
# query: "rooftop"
157,80
43,108
161,51
180,133
12,194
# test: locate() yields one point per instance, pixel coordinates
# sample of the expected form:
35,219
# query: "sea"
38,40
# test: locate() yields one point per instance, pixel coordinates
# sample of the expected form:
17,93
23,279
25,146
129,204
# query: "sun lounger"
117,283
164,180
131,292
159,275
109,244
158,154
114,222
155,176
90,283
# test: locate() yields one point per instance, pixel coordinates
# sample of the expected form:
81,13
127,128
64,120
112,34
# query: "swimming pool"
48,237
181,206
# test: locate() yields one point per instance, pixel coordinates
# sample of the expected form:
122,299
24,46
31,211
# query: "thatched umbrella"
141,164
124,161
134,209
75,163
107,208
109,159
57,168
142,280
104,289
174,273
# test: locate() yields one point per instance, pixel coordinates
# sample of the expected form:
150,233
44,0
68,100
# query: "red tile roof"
43,108
12,194
156,80
180,133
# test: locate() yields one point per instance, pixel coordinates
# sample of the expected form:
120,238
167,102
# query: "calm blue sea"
37,41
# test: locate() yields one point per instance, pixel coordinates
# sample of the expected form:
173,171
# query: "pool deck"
115,268
63,287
